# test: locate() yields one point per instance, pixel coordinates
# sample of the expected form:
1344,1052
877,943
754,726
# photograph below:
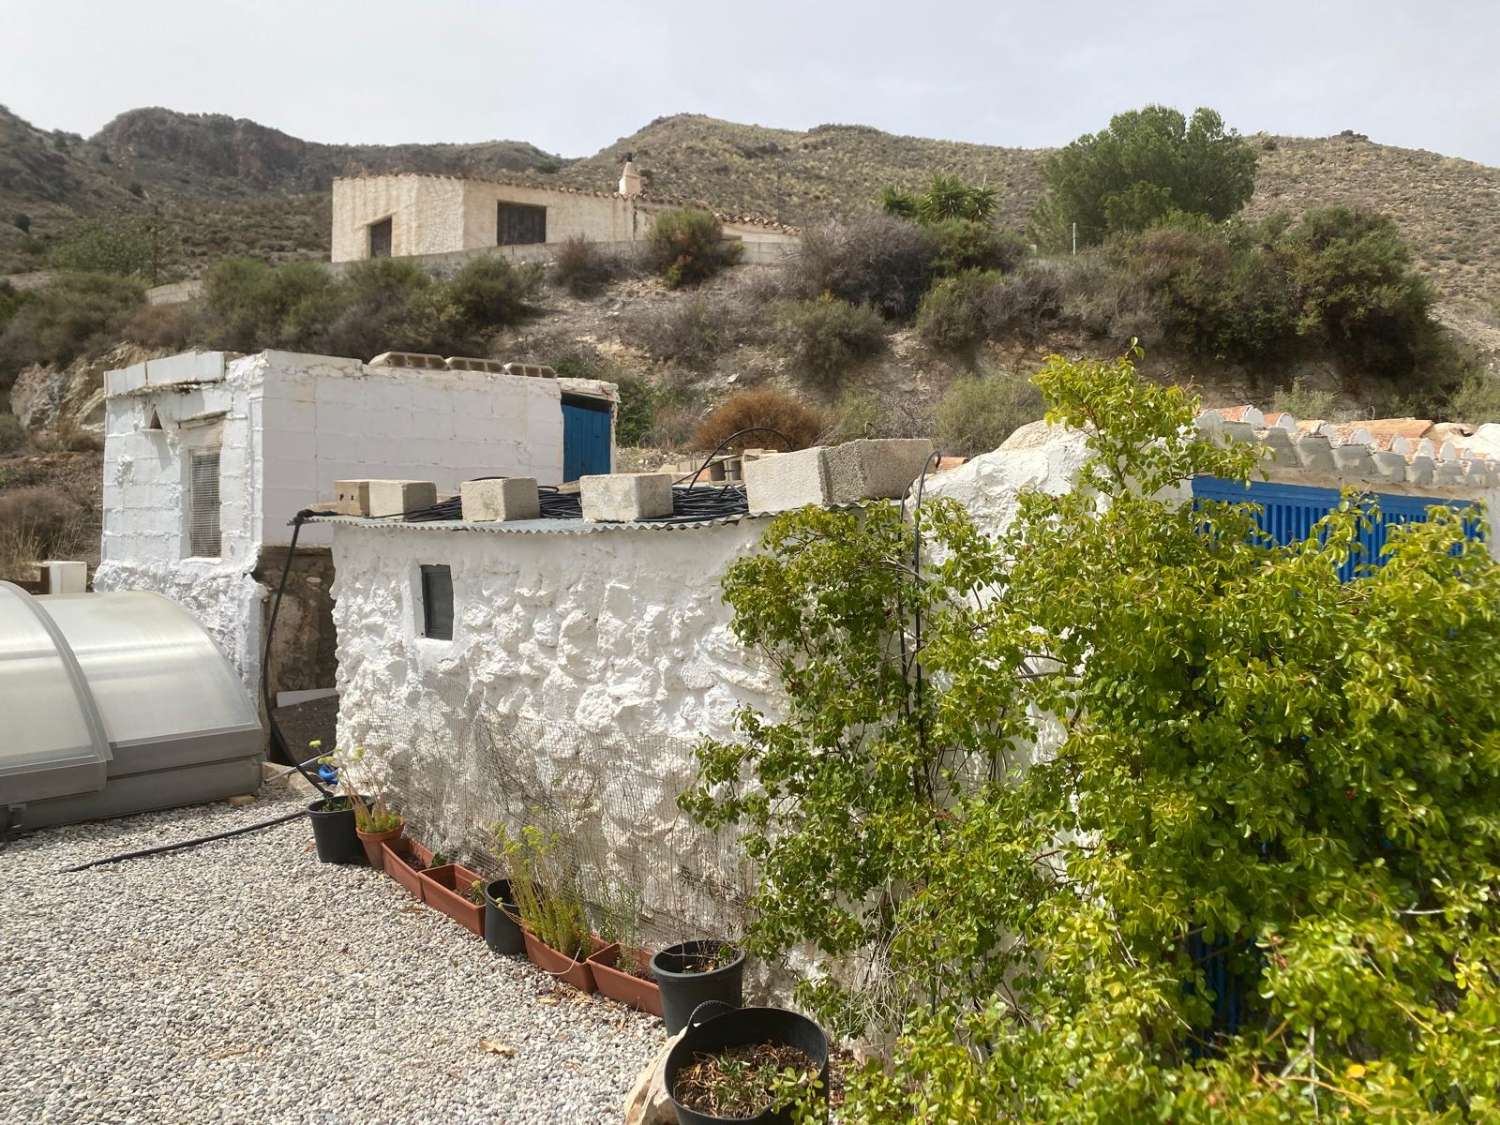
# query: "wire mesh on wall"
608,797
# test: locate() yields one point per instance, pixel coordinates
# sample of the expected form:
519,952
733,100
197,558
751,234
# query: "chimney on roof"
630,179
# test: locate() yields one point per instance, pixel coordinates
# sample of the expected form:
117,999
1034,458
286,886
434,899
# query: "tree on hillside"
1148,164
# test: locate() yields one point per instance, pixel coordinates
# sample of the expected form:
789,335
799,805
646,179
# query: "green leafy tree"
1146,165
120,246
1050,782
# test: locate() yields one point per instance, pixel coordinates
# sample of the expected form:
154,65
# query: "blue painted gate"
586,437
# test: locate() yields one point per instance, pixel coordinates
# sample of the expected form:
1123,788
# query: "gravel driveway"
244,981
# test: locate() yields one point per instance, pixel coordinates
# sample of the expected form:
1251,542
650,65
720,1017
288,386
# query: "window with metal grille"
437,602
203,505
517,224
380,239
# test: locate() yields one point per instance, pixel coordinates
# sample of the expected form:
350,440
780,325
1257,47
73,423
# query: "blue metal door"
586,438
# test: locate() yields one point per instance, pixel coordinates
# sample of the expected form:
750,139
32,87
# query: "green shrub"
250,305
873,260
1146,165
637,411
1357,288
1301,400
1028,303
687,246
164,327
75,315
1476,399
946,198
487,294
12,433
801,423
582,268
120,246
966,244
977,413
824,337
954,316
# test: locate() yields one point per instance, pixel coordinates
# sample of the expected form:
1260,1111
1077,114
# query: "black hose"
278,740
720,447
193,843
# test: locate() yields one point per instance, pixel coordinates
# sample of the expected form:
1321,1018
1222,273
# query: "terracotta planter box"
559,965
609,967
445,888
374,844
403,861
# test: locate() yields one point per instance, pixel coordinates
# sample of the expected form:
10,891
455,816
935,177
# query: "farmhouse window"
518,224
437,602
203,504
380,239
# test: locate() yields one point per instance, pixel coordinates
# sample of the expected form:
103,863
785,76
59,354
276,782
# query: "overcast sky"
574,76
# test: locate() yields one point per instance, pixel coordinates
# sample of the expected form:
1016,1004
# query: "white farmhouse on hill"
208,457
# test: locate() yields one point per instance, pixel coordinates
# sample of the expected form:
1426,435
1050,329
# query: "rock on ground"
243,980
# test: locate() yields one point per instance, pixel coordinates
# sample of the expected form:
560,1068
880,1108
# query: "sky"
572,76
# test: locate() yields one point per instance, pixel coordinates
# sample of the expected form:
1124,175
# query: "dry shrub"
872,260
583,269
12,434
977,414
764,406
39,523
693,332
825,337
169,327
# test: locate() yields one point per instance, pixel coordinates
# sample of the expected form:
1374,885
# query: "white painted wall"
287,427
619,635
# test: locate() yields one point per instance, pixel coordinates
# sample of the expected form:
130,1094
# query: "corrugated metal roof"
538,527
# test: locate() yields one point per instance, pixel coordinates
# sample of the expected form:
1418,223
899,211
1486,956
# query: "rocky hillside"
230,185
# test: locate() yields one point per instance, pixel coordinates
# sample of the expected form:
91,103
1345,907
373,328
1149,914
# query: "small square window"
437,602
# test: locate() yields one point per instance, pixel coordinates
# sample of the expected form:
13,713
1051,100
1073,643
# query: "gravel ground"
245,981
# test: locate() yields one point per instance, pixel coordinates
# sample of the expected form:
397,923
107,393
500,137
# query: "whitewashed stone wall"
612,649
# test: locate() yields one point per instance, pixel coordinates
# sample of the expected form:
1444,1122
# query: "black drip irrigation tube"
193,843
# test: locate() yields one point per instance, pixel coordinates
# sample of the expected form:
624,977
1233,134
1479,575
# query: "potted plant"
456,891
747,1065
554,923
693,972
333,826
404,861
374,821
622,968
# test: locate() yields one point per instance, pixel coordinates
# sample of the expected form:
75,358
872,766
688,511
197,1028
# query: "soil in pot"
576,971
696,971
372,841
333,831
625,975
446,889
502,920
739,1082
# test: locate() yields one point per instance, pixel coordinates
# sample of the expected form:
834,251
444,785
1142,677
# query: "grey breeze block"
394,497
868,469
501,499
621,497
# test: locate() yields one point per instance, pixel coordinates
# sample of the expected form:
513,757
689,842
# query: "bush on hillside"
873,260
966,244
977,413
582,268
1357,288
824,337
693,333
250,305
12,433
1302,400
39,522
165,327
1027,304
116,246
946,198
801,423
1148,164
954,316
687,246
75,315
487,294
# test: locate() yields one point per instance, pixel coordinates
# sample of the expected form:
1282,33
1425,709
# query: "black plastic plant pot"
333,832
502,931
714,1027
682,990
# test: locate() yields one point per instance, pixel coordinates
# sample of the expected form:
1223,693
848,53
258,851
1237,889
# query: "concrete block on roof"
622,497
65,576
471,363
1390,467
351,497
1450,472
420,360
1421,469
1283,451
784,481
395,497
1238,431
1354,461
125,380
874,468
189,367
500,499
1315,454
